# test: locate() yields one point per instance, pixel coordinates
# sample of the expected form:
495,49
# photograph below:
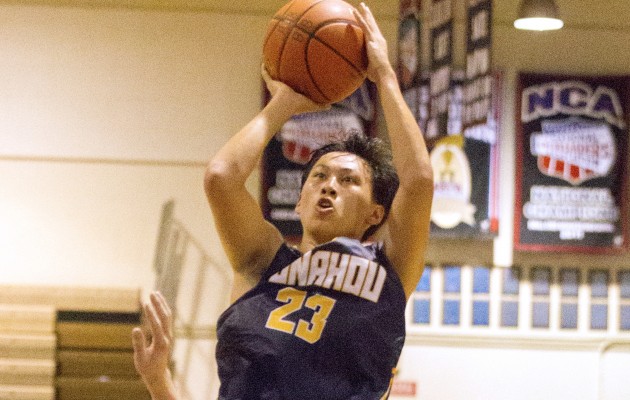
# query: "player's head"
375,154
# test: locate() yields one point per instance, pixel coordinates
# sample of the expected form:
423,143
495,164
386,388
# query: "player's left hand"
375,43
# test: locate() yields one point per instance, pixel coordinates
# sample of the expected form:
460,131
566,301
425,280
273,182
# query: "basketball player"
324,319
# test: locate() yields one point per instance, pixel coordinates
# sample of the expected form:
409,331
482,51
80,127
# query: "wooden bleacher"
27,351
68,343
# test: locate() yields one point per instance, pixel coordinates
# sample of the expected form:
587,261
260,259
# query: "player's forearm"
410,154
162,394
162,388
238,158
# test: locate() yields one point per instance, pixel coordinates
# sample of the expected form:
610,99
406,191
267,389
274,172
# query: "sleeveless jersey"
325,325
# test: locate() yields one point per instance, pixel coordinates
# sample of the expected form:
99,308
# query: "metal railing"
183,268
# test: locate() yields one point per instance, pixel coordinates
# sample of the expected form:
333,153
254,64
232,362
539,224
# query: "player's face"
336,199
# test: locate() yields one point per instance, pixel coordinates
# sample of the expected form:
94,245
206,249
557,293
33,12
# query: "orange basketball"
316,47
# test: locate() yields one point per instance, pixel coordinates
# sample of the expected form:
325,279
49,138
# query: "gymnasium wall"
107,114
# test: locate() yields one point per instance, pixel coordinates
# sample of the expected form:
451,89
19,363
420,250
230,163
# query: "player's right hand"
292,99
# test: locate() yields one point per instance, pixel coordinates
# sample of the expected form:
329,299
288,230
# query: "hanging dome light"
538,15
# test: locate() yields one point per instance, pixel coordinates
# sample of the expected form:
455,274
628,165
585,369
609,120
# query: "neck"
308,242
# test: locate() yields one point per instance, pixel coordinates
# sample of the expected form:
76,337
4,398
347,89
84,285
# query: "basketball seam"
281,19
294,24
330,22
311,35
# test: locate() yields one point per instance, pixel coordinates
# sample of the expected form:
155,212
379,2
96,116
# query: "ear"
376,215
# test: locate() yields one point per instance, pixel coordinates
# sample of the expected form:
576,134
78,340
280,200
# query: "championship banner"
414,84
409,43
441,39
478,86
465,172
572,145
286,154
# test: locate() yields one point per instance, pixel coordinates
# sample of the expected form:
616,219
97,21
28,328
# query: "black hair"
377,155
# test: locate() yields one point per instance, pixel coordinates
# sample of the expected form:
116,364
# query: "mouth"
324,204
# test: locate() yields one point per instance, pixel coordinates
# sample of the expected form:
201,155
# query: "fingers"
265,73
360,18
164,313
376,46
154,323
138,340
158,314
272,85
365,18
372,32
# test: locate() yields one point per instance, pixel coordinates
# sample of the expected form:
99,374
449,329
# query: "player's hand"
375,43
151,352
292,99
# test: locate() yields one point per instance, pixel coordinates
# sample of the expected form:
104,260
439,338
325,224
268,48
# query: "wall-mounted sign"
465,172
478,86
457,111
414,81
572,144
286,154
441,60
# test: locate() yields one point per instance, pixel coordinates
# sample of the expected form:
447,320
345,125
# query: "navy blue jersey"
327,324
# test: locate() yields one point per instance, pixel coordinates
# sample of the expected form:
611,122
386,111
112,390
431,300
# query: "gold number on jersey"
309,331
294,299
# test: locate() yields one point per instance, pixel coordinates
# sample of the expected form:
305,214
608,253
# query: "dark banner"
286,154
414,83
572,144
441,59
465,167
478,86
464,157
409,44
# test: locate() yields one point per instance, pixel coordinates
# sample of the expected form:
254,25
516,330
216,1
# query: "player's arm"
249,241
406,232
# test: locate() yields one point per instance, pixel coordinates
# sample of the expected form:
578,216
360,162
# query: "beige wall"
106,114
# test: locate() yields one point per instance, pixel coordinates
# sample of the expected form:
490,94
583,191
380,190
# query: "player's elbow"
419,177
217,178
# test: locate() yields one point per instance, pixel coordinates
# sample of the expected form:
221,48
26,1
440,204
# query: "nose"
329,190
329,187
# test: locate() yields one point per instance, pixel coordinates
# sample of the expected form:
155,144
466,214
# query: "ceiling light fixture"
538,15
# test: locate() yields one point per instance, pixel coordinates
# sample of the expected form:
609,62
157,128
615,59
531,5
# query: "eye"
318,175
350,179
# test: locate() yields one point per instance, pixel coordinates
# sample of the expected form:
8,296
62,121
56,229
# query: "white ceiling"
610,15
